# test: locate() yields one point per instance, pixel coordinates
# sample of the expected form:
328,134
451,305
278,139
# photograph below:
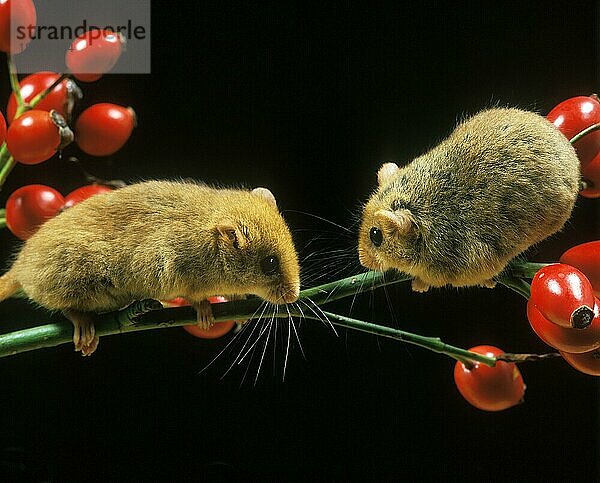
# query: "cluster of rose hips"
30,206
39,117
39,127
35,135
563,310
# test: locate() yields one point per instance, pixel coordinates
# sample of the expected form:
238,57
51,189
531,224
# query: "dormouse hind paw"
204,315
419,285
85,338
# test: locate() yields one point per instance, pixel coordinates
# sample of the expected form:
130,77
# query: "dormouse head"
388,230
256,248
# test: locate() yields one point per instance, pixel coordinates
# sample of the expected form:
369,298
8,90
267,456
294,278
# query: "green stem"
145,315
516,285
14,81
520,269
6,169
22,106
351,286
2,222
434,344
4,154
585,132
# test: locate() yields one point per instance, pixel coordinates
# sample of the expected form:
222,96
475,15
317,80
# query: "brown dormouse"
159,240
502,181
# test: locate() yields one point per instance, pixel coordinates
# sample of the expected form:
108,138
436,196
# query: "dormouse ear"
266,194
231,234
386,173
394,222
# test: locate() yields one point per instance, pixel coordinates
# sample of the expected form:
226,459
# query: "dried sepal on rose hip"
36,135
563,295
490,388
61,99
30,206
94,53
564,338
103,129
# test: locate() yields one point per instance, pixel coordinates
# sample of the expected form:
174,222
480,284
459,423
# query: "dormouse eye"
270,265
376,236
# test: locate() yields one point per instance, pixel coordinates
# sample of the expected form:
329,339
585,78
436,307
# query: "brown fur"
158,240
504,180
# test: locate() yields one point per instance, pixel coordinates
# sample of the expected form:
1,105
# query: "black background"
308,100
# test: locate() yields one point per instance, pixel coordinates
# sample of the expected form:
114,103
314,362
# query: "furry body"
504,180
157,240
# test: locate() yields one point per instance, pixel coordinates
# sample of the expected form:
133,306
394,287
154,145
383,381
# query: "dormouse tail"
8,285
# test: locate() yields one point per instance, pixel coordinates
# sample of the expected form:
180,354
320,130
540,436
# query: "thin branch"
517,285
585,132
125,320
522,269
149,314
527,357
434,344
14,81
6,168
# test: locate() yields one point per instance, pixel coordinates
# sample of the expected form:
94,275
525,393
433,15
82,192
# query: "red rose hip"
94,53
22,15
83,193
30,206
2,129
103,129
490,388
563,295
586,258
587,362
563,338
218,330
573,116
36,135
590,172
